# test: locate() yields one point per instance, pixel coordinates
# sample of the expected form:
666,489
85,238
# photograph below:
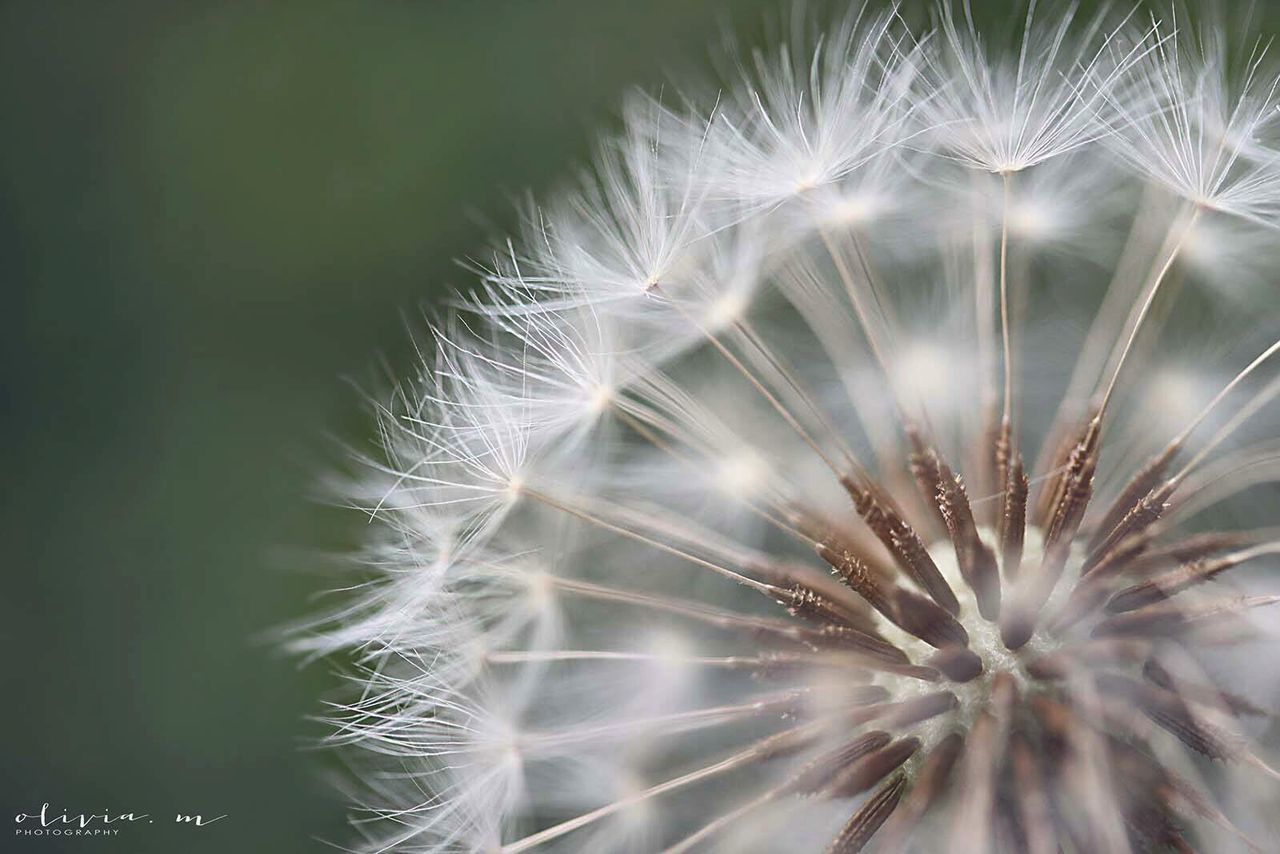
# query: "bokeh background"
210,214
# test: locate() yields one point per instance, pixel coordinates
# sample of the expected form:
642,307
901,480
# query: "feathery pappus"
879,455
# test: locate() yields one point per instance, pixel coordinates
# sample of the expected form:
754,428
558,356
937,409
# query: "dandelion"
1194,120
705,523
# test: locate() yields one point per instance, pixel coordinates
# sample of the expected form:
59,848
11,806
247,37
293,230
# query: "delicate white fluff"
459,440
796,123
646,524
1188,119
1005,113
625,234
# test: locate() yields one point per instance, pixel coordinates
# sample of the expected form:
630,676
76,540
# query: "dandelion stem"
725,819
1173,247
788,376
864,318
702,613
1089,365
1006,347
647,540
565,655
668,725
1261,399
757,752
760,387
643,429
1234,473
1221,395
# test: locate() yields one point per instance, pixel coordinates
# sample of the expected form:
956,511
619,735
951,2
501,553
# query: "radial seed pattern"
861,463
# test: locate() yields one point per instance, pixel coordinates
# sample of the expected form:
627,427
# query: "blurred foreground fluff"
880,454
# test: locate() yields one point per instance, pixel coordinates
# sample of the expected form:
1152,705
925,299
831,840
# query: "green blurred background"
209,214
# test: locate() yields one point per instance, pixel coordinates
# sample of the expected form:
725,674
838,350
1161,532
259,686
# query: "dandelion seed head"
749,503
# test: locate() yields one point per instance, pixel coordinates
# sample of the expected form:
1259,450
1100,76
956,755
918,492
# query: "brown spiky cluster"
1058,754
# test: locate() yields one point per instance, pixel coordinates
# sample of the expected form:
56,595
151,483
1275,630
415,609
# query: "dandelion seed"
1188,118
